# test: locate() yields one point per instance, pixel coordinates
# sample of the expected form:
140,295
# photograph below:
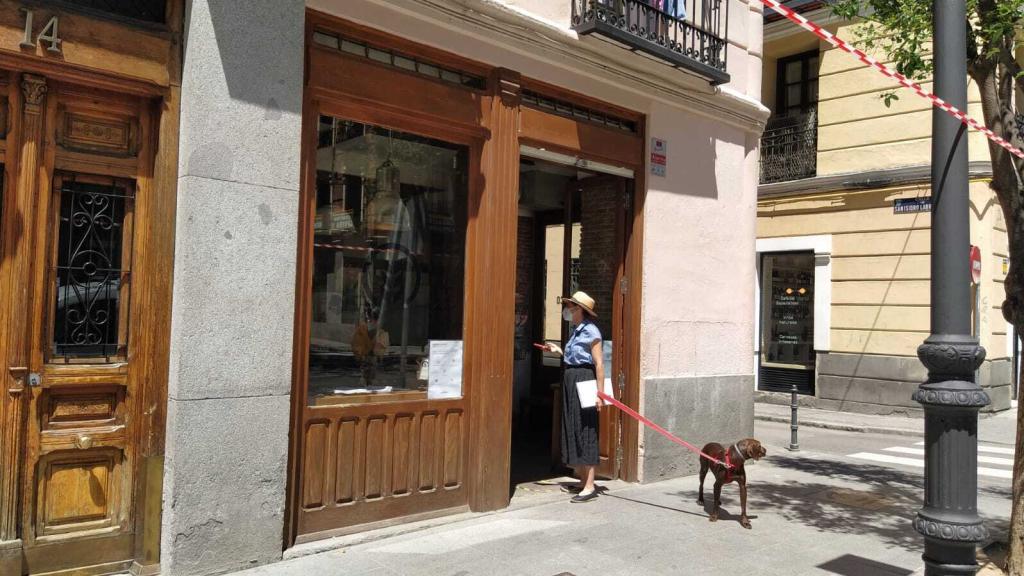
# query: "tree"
901,30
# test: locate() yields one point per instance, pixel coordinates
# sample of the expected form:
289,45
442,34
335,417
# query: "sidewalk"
812,514
998,428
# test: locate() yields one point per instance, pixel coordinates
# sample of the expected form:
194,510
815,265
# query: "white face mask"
566,314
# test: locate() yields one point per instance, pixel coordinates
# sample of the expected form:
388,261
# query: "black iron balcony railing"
689,34
789,148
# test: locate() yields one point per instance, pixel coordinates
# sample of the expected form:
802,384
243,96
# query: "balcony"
789,148
688,34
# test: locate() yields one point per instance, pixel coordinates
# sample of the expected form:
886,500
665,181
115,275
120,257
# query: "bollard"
793,444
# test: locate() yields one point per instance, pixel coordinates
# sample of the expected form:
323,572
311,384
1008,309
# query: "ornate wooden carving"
86,133
75,411
34,90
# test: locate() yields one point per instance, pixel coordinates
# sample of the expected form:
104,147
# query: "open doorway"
571,236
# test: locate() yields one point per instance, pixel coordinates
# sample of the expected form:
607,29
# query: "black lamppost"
951,398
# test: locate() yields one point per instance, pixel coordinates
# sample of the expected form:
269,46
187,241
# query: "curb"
842,427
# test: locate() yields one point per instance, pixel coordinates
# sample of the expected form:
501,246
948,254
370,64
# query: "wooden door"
74,234
600,205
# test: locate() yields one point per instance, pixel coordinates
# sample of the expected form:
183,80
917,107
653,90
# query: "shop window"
388,266
787,321
93,264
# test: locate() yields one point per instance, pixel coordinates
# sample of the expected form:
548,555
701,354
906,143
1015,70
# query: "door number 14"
49,35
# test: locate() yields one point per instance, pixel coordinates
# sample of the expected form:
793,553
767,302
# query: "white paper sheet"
587,391
445,372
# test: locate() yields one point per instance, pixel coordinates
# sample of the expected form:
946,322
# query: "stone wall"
871,384
234,287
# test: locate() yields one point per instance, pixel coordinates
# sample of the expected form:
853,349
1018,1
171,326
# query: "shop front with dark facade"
334,267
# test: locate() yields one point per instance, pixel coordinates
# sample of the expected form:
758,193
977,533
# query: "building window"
92,270
789,145
389,242
797,84
150,11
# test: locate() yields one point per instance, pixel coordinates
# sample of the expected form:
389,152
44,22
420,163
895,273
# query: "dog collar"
738,453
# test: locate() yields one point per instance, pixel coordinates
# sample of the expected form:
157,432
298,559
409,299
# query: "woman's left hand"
600,403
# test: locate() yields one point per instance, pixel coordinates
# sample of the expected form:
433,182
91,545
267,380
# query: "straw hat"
584,301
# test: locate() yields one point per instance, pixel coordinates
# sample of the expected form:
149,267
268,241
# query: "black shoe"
570,489
580,498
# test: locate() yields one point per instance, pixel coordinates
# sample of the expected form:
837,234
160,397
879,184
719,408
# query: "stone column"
234,286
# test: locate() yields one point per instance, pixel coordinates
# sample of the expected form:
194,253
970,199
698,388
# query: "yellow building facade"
843,233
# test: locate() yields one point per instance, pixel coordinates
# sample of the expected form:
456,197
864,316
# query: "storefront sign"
659,156
49,34
911,205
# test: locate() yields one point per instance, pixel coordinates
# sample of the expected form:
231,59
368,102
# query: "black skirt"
579,425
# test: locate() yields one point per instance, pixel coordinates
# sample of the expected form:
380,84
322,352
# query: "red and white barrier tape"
886,71
632,413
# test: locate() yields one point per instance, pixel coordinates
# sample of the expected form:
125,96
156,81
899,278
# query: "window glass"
794,71
143,10
797,87
793,96
788,309
92,261
388,266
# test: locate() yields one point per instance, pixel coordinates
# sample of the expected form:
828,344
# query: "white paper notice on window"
445,375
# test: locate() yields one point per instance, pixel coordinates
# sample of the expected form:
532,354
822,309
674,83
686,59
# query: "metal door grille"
90,271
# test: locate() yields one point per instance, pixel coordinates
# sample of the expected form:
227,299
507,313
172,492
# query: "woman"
583,360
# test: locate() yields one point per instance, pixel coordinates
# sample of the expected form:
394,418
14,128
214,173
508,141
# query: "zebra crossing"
993,461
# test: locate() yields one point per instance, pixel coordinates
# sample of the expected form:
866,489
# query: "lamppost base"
941,558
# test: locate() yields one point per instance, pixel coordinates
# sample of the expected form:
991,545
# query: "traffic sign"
975,264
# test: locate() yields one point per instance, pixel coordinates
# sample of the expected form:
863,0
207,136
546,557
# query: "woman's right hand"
553,348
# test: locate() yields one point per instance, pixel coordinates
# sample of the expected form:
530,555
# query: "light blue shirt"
577,350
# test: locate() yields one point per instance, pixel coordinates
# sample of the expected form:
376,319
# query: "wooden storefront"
382,451
88,147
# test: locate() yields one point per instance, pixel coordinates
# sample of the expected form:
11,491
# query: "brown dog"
736,454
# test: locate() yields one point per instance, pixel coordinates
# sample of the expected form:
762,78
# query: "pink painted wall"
699,250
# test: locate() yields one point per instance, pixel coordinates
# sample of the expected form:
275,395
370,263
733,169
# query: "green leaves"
901,30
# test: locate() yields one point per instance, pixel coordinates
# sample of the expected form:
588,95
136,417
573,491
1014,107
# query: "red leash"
633,414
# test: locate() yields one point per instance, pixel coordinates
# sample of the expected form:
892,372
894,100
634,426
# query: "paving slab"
812,514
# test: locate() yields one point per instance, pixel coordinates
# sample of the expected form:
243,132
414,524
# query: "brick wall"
598,260
524,286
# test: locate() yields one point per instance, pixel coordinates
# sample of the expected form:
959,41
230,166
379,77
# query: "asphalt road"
903,455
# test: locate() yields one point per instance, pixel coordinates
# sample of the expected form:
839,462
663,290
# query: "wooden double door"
77,327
